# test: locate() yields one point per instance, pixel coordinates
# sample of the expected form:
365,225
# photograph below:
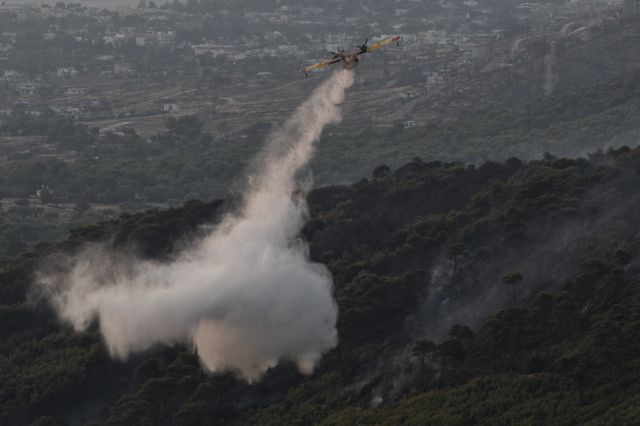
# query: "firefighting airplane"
350,60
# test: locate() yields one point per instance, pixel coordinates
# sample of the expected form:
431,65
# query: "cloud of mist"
246,296
550,64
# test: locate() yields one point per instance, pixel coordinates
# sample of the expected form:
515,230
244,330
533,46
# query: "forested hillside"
501,293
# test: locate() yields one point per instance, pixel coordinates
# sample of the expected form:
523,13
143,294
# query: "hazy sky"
110,3
94,3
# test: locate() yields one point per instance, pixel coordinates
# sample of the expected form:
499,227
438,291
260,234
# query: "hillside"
484,115
435,326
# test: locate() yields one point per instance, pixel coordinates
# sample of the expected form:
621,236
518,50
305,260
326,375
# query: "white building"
170,107
409,94
67,72
27,89
122,69
211,49
434,80
437,37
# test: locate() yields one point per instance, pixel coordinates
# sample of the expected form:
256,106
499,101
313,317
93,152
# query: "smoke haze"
107,4
550,64
246,296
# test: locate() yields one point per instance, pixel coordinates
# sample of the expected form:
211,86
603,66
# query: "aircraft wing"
382,43
319,65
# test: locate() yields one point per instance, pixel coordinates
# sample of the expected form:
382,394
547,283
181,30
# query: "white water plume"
246,296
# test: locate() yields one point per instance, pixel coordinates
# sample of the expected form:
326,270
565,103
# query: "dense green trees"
512,279
422,349
415,347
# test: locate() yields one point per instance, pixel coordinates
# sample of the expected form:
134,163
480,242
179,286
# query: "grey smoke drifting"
550,63
246,296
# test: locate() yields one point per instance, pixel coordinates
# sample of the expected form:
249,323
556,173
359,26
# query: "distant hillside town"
66,57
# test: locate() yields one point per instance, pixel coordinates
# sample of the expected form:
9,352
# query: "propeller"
363,48
340,52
